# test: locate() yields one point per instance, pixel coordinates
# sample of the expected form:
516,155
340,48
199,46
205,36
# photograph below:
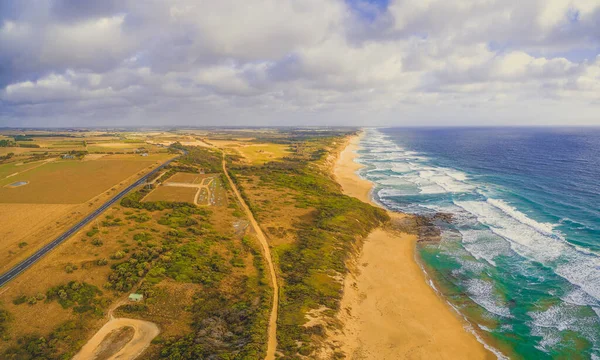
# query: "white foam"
579,297
482,245
554,317
400,168
457,175
431,189
385,193
544,228
481,292
549,338
527,240
452,185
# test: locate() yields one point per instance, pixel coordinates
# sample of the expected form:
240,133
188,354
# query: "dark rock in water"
426,229
445,217
424,226
429,226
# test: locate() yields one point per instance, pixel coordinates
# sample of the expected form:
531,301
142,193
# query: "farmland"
72,182
172,193
57,191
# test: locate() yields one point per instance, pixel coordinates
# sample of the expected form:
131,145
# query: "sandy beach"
388,310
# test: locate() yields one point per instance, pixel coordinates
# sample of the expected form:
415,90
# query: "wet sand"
388,310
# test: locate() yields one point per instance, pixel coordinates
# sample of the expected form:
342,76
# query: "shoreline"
388,310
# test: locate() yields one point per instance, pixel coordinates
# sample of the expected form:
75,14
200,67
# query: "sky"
299,62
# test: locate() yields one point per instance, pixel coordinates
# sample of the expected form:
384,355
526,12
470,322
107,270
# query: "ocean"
520,259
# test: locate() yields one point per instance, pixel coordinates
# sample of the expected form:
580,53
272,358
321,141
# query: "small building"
67,156
145,154
136,297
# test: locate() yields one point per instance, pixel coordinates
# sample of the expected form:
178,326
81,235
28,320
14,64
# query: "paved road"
12,273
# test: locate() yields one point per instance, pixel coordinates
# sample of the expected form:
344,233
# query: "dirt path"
272,339
145,331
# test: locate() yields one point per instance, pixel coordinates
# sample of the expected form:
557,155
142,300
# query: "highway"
25,264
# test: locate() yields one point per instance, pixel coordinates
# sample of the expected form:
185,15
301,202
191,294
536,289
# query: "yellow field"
261,153
7,170
172,193
71,181
15,150
115,146
27,223
254,153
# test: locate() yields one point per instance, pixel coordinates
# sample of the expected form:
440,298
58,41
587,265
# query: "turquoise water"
520,259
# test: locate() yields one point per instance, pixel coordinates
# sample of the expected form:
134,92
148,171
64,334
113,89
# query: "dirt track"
272,339
145,331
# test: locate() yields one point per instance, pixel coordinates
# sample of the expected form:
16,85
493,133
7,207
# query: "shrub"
97,242
21,299
80,296
4,320
70,268
92,232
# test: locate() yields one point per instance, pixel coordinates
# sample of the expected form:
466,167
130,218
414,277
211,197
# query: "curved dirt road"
272,339
145,331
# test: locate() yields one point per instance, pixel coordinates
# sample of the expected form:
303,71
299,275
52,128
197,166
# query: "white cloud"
273,61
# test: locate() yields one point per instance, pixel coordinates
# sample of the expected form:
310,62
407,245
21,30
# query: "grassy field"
71,181
117,147
262,153
15,150
252,152
189,178
13,168
25,226
172,193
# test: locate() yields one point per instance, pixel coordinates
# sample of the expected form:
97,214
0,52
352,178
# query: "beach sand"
388,310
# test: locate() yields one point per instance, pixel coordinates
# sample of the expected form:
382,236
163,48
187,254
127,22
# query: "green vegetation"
92,232
60,344
80,296
25,145
4,320
21,299
139,218
324,242
69,268
207,160
7,143
165,247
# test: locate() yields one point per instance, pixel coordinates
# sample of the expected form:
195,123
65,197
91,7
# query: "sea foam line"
468,326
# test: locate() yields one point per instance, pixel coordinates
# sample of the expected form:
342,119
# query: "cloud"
298,62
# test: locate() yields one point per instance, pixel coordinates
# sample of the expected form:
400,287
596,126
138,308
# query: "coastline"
388,311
